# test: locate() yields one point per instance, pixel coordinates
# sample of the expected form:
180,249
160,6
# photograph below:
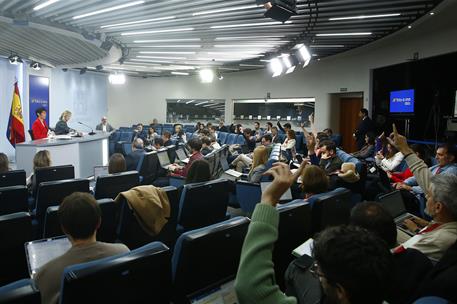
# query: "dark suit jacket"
277,140
61,128
109,128
132,159
364,127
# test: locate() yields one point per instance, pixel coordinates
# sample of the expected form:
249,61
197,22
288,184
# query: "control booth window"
194,110
293,110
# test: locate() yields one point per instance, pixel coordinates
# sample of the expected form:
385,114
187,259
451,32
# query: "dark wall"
435,83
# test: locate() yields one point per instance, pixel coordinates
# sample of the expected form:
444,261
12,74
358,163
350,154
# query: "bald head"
138,144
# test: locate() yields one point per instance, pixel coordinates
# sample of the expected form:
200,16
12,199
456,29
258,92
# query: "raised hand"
283,180
399,141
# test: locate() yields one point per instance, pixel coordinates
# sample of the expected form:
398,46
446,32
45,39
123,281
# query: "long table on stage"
84,153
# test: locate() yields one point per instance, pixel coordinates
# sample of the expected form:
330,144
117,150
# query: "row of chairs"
200,258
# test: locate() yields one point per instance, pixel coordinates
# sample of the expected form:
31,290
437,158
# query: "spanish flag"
15,132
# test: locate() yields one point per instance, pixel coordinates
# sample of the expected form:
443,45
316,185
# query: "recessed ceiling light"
201,103
109,9
180,73
44,4
345,34
190,101
249,24
186,29
409,26
168,53
365,17
216,59
222,10
164,57
167,40
432,13
248,37
318,46
252,65
189,46
150,60
137,22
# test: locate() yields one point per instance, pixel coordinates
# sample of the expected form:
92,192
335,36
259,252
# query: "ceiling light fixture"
364,17
15,59
180,73
276,67
150,60
303,55
109,9
287,60
206,75
323,46
223,10
345,34
166,53
187,46
167,40
201,103
190,101
162,57
35,65
185,29
249,24
248,37
138,22
44,4
116,79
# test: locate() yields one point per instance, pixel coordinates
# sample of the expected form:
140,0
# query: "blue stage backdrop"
38,97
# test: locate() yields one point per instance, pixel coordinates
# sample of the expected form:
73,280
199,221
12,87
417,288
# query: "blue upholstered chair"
20,292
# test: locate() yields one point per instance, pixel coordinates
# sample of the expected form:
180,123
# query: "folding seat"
13,178
211,159
240,140
203,204
177,181
231,139
49,174
113,139
189,135
205,256
15,230
132,234
139,276
20,292
337,139
248,195
13,199
294,229
147,169
53,193
109,186
171,150
106,233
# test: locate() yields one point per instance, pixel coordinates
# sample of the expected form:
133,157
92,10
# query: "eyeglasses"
314,270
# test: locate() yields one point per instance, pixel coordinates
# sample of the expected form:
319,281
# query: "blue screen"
402,101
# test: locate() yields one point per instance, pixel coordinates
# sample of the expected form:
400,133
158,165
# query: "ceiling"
177,37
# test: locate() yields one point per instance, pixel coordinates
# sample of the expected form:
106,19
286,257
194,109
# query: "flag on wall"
15,132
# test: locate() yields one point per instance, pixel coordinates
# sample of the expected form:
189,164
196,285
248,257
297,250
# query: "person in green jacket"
352,264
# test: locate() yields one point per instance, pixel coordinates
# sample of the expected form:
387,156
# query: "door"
349,120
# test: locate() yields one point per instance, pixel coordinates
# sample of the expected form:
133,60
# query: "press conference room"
228,152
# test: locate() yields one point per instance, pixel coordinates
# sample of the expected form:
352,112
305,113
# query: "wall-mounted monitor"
402,102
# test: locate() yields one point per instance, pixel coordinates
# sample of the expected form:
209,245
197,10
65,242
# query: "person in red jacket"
400,177
195,145
39,127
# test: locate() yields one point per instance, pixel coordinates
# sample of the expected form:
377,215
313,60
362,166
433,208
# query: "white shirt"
391,163
104,128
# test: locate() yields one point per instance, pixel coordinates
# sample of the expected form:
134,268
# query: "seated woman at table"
39,127
62,126
4,163
42,159
258,167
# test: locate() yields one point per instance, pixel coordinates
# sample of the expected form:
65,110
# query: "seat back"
248,195
109,186
203,204
337,139
431,300
330,209
171,150
211,158
15,231
348,158
139,276
222,137
126,136
53,193
115,136
13,199
132,234
231,139
148,167
13,178
49,174
240,140
205,256
20,292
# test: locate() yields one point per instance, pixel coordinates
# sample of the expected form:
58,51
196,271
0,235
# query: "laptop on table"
220,293
229,174
393,203
181,154
164,160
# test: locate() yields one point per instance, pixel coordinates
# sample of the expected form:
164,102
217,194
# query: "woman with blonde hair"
62,126
258,167
42,159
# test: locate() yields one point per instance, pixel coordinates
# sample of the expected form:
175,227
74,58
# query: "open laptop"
164,160
40,252
182,156
287,196
220,293
393,203
100,170
229,173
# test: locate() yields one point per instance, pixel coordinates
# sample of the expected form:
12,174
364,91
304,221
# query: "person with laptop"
206,146
441,194
134,157
346,273
166,136
195,145
80,218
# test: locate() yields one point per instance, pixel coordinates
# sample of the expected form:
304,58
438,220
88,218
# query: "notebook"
40,252
305,248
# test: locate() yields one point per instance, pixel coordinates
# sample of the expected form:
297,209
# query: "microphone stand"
87,126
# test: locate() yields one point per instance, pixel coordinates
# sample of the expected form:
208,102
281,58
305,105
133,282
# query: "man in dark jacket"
366,125
133,158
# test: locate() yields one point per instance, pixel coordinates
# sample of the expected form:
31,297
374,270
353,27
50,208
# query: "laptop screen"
100,170
163,158
285,197
41,252
218,294
393,203
181,154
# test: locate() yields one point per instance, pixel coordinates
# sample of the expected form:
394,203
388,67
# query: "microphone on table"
87,126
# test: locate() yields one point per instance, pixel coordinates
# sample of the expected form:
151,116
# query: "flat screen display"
402,102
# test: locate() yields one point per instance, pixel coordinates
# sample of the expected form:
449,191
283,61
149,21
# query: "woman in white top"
391,160
289,143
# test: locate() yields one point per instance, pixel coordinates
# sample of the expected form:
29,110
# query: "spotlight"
99,67
290,62
279,10
35,65
116,79
276,66
219,75
15,59
65,69
303,55
206,75
83,71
